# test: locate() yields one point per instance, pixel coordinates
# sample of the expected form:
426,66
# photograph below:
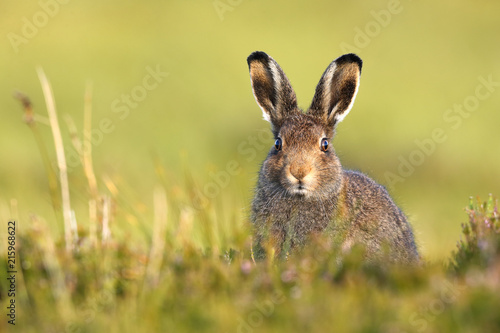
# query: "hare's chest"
306,220
295,221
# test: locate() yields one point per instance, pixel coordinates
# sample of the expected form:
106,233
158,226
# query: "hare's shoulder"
357,180
365,196
359,186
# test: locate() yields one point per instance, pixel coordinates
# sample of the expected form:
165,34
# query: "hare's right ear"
337,89
271,88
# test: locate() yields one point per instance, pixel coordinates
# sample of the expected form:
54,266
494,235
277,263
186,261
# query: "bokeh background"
423,61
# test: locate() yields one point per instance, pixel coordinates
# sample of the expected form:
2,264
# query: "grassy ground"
193,269
175,165
194,273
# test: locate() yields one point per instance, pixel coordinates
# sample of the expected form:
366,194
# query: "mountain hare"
302,189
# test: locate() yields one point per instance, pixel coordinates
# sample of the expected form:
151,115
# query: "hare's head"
302,161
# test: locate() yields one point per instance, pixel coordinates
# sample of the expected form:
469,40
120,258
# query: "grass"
189,268
148,255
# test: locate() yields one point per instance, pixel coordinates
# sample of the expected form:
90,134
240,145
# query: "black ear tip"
257,55
350,58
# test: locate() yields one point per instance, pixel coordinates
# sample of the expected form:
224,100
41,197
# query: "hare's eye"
278,144
324,145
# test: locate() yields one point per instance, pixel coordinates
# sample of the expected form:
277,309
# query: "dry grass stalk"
61,159
110,185
93,222
158,243
87,162
73,134
87,143
185,228
84,151
106,232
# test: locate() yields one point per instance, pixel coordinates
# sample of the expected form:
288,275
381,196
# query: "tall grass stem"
61,159
87,143
158,242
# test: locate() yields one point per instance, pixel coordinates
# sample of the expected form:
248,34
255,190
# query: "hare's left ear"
337,89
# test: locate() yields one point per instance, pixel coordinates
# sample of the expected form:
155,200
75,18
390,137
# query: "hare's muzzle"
299,171
300,177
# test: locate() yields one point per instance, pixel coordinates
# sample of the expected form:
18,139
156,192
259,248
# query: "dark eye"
277,144
324,145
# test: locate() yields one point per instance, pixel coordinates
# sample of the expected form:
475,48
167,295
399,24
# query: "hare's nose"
299,170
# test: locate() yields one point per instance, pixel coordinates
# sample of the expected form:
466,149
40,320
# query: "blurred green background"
423,61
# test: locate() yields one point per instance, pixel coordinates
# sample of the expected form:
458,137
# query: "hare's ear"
337,89
271,88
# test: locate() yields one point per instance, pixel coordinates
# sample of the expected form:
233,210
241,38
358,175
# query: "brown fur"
302,190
